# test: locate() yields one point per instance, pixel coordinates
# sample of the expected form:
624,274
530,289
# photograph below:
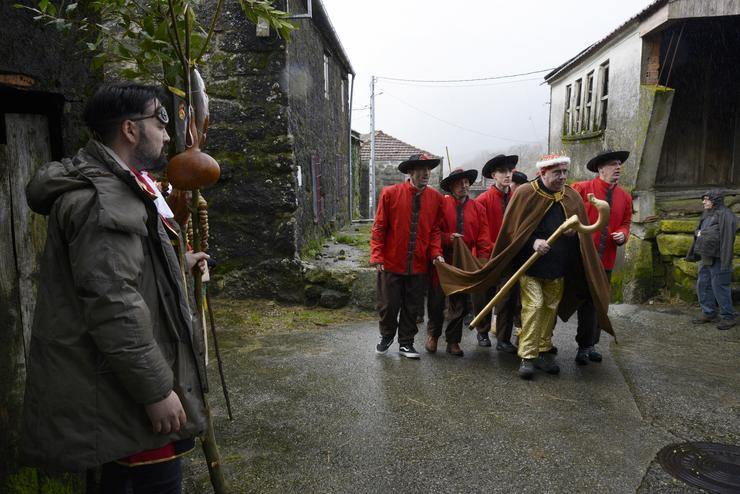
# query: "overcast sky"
440,40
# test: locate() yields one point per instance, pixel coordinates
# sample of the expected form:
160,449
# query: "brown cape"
523,214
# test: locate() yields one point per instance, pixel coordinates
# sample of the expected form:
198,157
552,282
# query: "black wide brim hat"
456,175
605,156
418,160
499,161
519,178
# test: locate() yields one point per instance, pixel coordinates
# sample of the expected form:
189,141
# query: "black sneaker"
546,365
526,369
506,347
385,343
582,355
552,351
483,339
726,324
594,356
408,351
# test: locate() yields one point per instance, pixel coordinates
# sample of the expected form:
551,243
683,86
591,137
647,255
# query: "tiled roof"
388,148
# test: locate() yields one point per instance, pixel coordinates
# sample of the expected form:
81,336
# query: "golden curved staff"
572,222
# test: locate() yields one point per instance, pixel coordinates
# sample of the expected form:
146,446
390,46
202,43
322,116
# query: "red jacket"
492,201
390,241
620,216
475,228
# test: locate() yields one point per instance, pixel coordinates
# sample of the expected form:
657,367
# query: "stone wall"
656,251
270,122
318,121
252,205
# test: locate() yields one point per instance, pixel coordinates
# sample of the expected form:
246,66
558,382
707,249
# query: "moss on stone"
674,244
617,287
31,481
686,268
637,274
224,88
685,206
679,226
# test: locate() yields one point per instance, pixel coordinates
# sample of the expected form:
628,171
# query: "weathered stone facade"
282,141
44,80
641,90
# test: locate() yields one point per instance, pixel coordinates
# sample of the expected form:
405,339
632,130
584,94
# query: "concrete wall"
624,56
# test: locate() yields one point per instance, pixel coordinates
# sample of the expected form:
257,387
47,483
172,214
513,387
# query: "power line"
456,125
465,80
414,84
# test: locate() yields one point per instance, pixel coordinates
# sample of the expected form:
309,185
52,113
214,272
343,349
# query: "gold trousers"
540,299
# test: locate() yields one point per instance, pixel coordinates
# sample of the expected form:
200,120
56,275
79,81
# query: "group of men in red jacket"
416,226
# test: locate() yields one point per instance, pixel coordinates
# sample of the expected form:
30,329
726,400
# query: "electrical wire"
456,125
465,80
506,83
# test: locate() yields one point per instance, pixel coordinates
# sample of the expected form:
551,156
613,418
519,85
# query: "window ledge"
582,136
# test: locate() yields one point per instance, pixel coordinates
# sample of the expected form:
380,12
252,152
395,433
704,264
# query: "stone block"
674,244
364,288
686,268
333,299
679,226
645,231
637,272
682,206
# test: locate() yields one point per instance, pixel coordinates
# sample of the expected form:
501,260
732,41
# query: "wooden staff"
570,223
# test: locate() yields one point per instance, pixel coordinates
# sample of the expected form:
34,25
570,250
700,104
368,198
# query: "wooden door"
22,237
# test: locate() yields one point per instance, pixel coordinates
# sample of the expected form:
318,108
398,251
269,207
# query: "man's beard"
146,160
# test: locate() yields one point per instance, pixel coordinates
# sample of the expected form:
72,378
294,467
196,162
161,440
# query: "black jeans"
588,332
156,478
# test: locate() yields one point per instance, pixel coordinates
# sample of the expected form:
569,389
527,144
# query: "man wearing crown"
553,285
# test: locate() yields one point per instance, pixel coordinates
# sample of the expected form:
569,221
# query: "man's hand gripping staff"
570,223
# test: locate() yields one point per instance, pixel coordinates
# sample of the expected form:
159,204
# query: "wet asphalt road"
319,411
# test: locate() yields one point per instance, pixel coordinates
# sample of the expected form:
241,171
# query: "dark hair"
113,103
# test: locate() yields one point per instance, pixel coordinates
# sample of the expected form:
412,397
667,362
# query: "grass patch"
254,317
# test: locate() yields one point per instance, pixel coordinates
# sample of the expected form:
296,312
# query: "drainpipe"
349,135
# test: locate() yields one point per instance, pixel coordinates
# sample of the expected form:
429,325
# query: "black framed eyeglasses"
160,113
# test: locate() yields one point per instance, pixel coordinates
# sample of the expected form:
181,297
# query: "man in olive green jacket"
113,375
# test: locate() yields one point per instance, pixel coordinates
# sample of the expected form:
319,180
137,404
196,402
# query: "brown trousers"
400,300
457,309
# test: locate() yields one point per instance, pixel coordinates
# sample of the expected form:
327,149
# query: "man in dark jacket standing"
113,376
404,240
713,247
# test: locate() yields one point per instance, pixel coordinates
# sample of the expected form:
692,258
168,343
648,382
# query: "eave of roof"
327,28
647,11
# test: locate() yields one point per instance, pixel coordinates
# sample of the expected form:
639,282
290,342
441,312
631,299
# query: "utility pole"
371,166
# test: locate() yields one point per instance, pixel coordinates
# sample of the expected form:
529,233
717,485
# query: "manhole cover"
711,466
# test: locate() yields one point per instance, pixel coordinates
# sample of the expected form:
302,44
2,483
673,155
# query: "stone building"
663,85
280,129
389,153
41,94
